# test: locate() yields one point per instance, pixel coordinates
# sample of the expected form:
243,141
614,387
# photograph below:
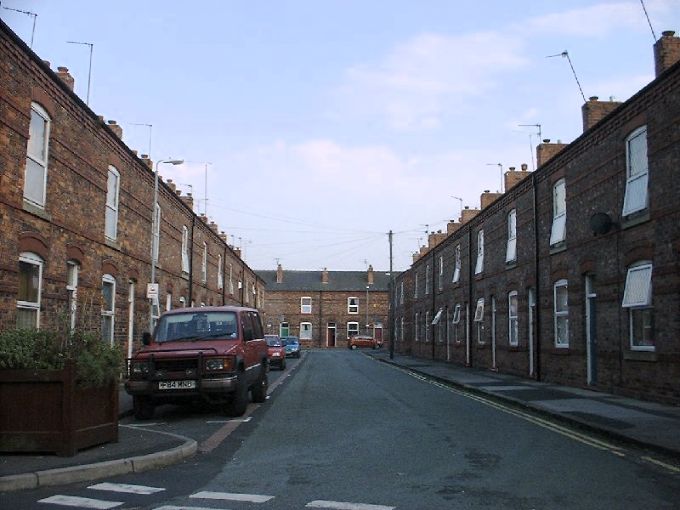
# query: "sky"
321,125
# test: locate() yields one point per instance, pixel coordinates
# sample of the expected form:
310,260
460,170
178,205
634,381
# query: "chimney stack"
213,227
546,151
369,274
487,198
66,77
666,51
467,214
595,110
223,236
188,200
451,227
512,178
434,238
171,185
113,125
324,276
279,274
237,251
147,161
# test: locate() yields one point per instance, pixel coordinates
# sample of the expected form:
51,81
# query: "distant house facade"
324,308
572,275
79,233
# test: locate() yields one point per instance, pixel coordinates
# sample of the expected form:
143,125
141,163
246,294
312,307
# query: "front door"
591,331
330,334
378,333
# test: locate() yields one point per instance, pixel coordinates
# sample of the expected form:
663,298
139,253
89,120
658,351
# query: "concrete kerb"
97,470
523,405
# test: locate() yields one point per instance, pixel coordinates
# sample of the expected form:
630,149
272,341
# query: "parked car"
216,354
276,352
292,346
356,341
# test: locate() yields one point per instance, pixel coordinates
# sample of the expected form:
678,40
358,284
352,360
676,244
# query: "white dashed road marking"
230,496
343,505
126,488
173,507
77,502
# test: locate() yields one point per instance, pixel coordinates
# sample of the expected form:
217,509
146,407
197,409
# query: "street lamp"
155,218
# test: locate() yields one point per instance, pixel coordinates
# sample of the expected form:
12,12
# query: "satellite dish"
600,223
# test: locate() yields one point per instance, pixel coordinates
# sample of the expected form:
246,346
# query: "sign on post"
152,291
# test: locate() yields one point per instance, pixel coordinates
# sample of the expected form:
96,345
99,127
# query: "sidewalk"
644,424
137,450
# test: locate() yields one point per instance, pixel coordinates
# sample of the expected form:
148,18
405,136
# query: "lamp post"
154,217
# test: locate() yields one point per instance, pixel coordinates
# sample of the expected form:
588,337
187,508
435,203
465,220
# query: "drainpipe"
224,273
468,322
434,260
537,292
243,280
191,261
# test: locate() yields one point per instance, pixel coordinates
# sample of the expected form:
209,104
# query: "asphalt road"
347,432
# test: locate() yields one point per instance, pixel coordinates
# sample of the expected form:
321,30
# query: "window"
561,314
220,272
112,195
558,230
456,268
72,270
352,329
479,267
415,285
35,179
182,302
511,249
440,284
513,325
30,290
168,302
108,307
456,324
204,263
401,292
401,330
427,279
637,297
185,249
305,305
352,305
427,326
305,331
479,320
231,280
156,233
438,335
637,172
415,327
284,330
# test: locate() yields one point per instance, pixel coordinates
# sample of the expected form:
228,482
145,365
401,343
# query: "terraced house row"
81,231
572,275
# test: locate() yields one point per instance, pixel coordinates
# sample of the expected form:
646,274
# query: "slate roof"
337,281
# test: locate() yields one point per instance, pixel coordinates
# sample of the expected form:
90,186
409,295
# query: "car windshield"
196,326
292,340
274,342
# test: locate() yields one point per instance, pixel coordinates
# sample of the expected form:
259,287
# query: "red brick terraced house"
571,276
76,235
324,308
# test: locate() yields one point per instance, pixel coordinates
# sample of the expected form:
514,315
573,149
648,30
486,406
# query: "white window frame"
352,329
455,320
479,319
561,315
636,196
72,272
352,305
306,335
511,249
220,272
306,304
401,292
156,234
112,204
415,285
513,319
109,315
168,301
185,249
440,284
428,276
457,265
637,298
204,263
479,266
231,279
39,159
401,330
558,230
32,259
427,326
416,318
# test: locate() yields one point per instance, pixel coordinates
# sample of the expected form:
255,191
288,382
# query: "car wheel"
283,365
297,355
259,391
143,408
353,347
239,401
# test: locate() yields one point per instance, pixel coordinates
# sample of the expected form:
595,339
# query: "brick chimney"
171,185
188,200
467,214
595,110
324,276
147,161
451,227
666,51
66,77
434,238
369,275
416,256
487,198
237,251
512,178
223,236
213,227
279,274
113,125
546,151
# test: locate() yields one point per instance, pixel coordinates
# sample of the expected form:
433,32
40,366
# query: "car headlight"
276,354
140,367
215,364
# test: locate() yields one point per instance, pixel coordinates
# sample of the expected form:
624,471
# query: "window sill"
558,248
511,265
561,351
635,219
113,244
38,211
649,356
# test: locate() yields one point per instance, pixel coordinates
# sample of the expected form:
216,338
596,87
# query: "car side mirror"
146,338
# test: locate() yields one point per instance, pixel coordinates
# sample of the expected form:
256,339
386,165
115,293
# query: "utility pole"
392,291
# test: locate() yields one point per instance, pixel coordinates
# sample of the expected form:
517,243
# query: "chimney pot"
47,63
113,125
593,98
512,168
668,33
524,167
546,140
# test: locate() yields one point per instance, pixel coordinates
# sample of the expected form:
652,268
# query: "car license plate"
176,385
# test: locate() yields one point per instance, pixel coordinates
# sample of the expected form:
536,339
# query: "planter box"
44,411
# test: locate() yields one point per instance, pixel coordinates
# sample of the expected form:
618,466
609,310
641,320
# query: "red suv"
217,354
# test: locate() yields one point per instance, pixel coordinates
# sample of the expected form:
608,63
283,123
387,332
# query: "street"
347,432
